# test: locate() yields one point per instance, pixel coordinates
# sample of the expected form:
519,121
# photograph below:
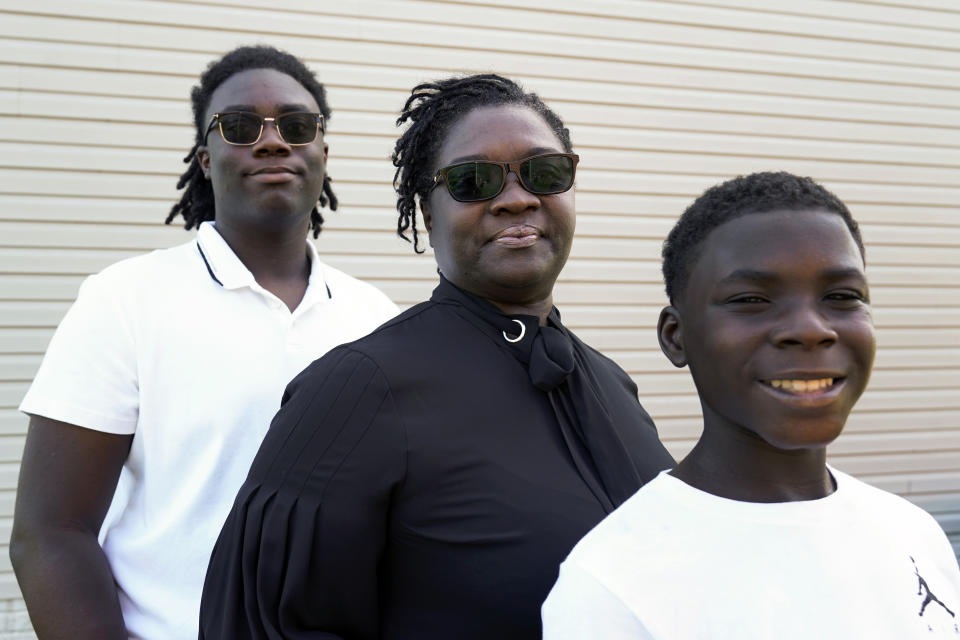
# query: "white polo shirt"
184,350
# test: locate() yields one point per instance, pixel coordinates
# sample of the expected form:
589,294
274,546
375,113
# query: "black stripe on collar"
209,270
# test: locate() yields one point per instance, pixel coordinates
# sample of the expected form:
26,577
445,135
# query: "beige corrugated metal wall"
663,98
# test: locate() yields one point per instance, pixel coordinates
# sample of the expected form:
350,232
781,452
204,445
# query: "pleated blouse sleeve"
298,554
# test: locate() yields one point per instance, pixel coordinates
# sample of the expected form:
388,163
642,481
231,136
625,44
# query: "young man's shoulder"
149,269
354,289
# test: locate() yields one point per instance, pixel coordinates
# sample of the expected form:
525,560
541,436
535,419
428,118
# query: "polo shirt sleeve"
299,552
88,376
581,606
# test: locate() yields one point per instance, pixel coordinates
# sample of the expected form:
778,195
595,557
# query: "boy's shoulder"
668,514
658,511
874,503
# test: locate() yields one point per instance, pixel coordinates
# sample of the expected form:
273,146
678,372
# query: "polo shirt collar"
226,269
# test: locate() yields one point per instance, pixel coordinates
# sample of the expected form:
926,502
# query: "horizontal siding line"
611,305
719,154
93,145
567,10
705,26
54,222
630,172
866,454
766,114
784,135
351,180
613,353
357,218
79,196
126,172
927,6
697,47
913,7
343,150
665,398
353,208
906,223
915,475
332,252
926,367
540,74
94,94
821,16
344,154
859,410
571,99
636,107
648,18
647,401
850,202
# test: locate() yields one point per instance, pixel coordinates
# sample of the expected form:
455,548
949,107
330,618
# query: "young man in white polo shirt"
753,536
161,381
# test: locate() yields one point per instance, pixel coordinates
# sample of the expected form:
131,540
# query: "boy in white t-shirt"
753,535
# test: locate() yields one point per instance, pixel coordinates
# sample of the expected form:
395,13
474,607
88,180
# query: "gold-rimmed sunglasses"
244,128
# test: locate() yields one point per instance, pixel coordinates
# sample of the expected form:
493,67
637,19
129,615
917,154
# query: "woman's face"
270,185
511,248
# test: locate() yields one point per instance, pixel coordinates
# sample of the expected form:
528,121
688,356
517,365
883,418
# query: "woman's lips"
517,236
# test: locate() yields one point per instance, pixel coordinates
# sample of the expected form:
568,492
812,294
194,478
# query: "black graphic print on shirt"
923,589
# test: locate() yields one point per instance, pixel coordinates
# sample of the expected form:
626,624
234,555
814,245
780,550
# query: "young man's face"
775,324
268,186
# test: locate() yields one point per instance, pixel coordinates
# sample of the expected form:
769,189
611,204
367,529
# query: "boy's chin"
797,438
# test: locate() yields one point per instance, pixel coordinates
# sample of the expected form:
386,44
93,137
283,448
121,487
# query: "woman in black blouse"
427,480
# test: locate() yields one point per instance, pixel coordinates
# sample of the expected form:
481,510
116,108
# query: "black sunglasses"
245,128
478,180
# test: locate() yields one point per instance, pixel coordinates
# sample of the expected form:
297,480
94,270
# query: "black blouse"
427,480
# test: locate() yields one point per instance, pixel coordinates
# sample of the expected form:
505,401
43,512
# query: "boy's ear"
670,335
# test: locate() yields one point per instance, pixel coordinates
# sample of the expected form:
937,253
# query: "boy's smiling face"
775,324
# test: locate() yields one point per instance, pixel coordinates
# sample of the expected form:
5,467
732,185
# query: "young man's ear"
670,335
203,159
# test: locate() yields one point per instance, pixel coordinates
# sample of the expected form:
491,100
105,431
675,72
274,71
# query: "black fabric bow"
555,362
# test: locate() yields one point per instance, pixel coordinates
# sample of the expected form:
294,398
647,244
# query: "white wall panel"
664,98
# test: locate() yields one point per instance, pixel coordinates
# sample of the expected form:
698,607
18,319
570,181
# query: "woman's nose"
513,198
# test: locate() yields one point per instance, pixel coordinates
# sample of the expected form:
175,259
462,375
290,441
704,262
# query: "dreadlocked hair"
196,204
431,109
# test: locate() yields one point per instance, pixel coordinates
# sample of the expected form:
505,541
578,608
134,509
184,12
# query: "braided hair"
431,109
762,192
196,204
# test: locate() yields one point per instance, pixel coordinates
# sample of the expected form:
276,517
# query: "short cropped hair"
755,193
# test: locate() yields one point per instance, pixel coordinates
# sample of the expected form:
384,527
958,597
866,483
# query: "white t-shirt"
184,350
676,563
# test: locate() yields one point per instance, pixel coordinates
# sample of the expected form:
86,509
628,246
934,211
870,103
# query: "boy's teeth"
802,385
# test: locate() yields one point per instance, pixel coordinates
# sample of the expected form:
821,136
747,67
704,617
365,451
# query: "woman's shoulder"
401,341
